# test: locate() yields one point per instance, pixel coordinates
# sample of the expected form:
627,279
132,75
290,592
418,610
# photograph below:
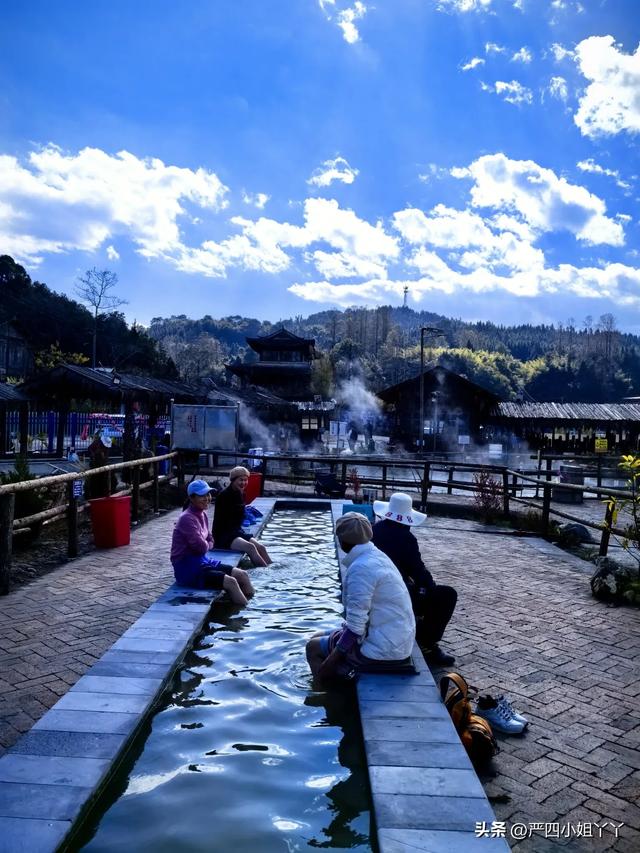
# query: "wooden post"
135,494
156,488
180,470
425,488
606,533
539,474
384,481
72,521
449,481
514,486
3,429
264,476
599,472
7,507
546,506
505,492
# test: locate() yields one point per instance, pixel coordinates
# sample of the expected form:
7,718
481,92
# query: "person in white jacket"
379,628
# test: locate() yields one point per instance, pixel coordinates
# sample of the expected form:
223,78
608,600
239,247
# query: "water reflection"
243,755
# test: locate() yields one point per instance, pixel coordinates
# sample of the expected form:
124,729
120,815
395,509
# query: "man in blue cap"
192,565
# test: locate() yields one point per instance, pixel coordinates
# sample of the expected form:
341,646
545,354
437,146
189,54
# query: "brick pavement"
53,629
526,625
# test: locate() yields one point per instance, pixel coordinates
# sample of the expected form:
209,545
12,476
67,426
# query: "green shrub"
29,502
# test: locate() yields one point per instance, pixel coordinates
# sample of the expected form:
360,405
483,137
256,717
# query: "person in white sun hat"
433,604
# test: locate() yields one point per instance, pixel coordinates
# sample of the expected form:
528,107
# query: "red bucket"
110,519
253,488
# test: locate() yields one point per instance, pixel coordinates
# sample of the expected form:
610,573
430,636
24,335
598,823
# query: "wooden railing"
384,474
9,525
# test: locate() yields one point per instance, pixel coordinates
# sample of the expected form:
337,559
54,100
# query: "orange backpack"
474,731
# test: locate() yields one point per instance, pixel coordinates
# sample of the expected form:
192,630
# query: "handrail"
56,479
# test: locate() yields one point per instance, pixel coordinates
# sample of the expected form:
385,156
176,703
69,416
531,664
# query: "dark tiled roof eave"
568,411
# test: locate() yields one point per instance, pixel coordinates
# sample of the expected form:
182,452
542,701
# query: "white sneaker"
516,715
499,718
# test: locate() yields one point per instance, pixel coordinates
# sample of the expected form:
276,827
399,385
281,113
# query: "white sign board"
464,439
337,428
204,428
495,450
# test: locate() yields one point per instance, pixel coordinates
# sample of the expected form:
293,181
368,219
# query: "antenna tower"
406,293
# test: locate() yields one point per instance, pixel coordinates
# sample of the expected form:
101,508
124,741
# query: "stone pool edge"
425,793
53,777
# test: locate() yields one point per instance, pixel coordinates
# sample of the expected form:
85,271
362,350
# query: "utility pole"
431,330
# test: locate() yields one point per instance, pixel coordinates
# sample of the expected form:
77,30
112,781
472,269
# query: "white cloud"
512,93
333,170
463,5
540,198
258,200
522,55
359,248
61,202
611,102
560,52
590,165
472,63
112,253
558,88
345,18
492,47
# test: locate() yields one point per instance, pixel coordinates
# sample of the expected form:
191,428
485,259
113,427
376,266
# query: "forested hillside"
57,328
590,361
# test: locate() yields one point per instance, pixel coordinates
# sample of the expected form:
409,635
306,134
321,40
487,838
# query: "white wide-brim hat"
399,508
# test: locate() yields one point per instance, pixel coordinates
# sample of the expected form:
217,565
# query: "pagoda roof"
280,339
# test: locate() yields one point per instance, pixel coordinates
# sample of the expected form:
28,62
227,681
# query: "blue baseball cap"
198,487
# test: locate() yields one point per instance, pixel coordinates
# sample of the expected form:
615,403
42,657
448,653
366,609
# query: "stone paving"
54,629
526,625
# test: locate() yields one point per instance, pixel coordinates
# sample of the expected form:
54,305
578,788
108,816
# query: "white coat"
377,604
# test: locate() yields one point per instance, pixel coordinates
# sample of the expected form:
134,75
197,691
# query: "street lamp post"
431,330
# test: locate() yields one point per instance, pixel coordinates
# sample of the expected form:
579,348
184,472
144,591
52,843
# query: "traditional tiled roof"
569,411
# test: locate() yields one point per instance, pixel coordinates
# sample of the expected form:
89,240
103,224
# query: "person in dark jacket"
433,604
228,514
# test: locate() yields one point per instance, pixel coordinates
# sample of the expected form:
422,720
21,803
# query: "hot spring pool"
243,755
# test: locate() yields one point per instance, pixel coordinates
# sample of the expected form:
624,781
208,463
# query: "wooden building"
570,427
16,359
283,365
455,410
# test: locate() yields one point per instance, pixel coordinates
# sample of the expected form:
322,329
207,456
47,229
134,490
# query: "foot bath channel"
242,753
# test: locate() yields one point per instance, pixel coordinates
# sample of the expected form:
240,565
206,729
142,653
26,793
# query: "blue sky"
278,158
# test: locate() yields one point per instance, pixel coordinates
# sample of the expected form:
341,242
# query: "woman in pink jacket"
192,565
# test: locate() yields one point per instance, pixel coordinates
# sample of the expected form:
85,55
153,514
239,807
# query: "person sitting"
433,604
228,515
192,565
379,628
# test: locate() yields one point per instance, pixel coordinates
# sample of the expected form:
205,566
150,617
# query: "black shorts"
214,578
224,541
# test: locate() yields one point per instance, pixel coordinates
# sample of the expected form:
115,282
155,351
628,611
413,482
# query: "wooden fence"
383,474
70,507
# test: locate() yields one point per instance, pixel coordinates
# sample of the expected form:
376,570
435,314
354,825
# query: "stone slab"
115,668
52,770
406,811
109,722
405,710
418,731
79,744
436,841
113,684
130,656
409,754
46,802
426,781
394,691
149,644
29,835
76,700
